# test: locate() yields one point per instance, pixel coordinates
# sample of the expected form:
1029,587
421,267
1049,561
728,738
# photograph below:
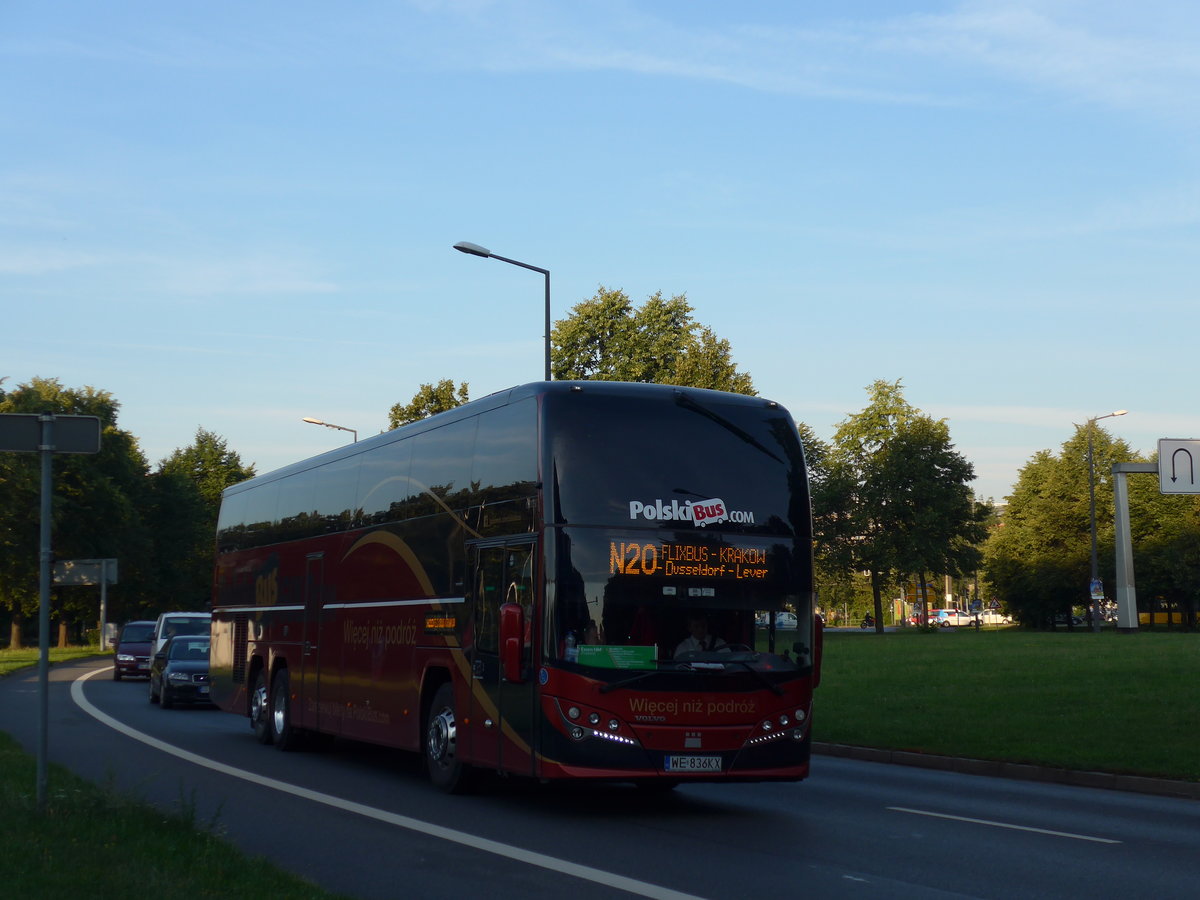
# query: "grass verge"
1120,703
92,842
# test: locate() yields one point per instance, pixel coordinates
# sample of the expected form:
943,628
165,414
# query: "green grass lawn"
1122,703
11,660
91,842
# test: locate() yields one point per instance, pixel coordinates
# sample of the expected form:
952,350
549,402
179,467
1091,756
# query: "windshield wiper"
687,402
698,666
604,689
767,682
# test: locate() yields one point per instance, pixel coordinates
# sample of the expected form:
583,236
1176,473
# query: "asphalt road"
363,821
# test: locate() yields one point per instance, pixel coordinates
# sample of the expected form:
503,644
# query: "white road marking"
519,854
1009,825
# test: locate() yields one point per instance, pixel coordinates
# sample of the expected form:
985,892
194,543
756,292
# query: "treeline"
1038,561
159,524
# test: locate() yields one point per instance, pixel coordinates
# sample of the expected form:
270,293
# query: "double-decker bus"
562,580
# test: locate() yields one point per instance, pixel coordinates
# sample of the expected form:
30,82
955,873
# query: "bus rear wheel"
446,770
284,735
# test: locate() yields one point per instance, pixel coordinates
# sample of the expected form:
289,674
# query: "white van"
173,623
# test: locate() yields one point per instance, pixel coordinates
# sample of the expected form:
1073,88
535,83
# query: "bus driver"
698,638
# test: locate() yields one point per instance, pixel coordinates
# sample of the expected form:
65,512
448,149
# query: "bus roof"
494,401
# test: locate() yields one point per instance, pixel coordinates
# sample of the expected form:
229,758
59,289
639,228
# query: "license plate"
203,689
692,764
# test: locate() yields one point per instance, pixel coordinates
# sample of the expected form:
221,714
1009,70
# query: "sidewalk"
1163,787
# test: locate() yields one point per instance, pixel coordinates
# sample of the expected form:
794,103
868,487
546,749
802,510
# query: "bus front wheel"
446,771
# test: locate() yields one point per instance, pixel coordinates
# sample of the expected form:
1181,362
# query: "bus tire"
446,770
258,709
284,735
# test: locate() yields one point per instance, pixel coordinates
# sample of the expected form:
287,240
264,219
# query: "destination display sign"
686,559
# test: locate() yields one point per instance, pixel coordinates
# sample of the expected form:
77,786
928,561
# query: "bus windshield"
628,598
683,530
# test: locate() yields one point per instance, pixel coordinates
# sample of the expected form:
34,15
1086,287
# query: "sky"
235,215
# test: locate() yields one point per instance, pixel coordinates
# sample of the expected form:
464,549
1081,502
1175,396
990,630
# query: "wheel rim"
442,737
279,712
258,702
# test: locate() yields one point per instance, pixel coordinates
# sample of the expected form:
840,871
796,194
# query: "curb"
1162,787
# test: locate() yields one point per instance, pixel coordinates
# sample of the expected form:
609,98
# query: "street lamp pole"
311,421
476,250
1097,610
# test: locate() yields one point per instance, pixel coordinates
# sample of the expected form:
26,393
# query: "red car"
132,654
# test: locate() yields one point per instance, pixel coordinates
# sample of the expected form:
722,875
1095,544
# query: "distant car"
949,618
1076,621
170,624
132,653
786,620
179,671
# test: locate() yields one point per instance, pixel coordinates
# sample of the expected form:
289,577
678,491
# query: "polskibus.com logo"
698,512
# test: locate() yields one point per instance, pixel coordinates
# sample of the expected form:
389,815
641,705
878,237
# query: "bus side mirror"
512,634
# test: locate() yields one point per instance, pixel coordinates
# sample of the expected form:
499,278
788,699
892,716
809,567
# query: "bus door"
308,704
502,713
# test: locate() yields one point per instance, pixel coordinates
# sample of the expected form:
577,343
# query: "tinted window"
231,522
506,449
383,481
190,625
442,466
189,650
296,505
337,489
259,514
674,460
133,634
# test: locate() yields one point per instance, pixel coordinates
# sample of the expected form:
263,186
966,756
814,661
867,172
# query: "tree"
96,507
894,498
935,524
1039,560
184,502
608,339
427,401
210,465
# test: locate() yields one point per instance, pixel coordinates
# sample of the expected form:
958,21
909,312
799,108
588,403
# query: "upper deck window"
676,461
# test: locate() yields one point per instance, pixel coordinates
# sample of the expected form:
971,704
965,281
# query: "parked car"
170,624
1076,621
949,618
786,620
131,656
179,671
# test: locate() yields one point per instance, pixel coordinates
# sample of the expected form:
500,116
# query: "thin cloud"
1048,48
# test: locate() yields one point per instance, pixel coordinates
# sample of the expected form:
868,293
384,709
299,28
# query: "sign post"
87,572
37,434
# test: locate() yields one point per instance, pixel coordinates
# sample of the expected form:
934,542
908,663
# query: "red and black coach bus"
506,586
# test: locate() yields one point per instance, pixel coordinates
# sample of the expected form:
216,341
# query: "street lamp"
476,250
1097,610
311,421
